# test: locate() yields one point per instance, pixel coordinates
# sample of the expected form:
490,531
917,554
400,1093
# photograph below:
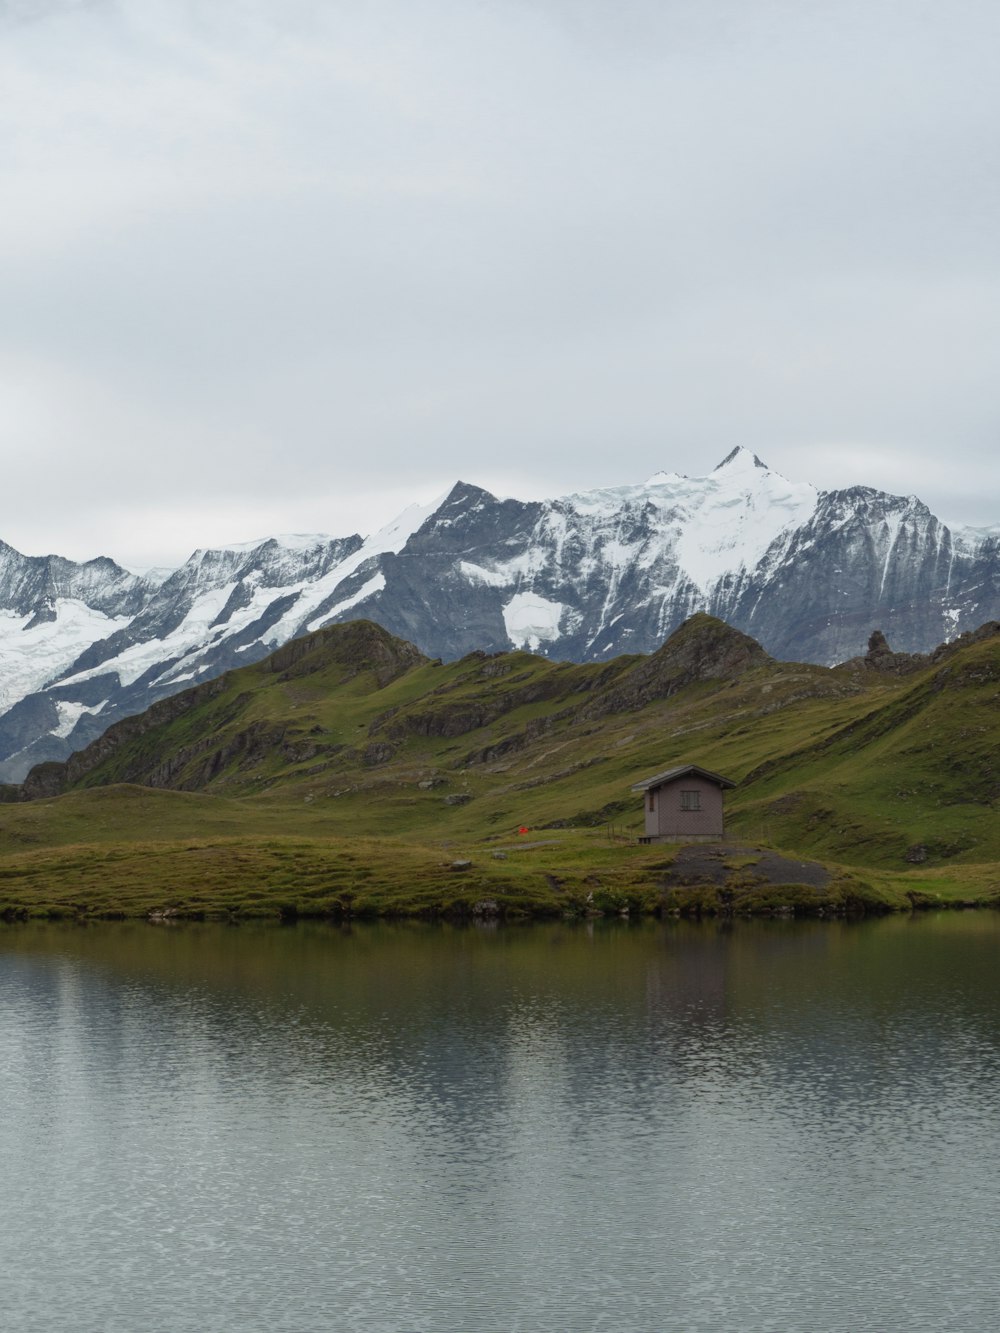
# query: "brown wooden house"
684,804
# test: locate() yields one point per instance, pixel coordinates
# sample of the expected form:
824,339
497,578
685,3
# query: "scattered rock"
461,865
458,798
378,752
916,853
786,804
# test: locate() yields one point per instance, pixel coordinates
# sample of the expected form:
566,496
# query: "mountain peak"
662,478
741,458
703,648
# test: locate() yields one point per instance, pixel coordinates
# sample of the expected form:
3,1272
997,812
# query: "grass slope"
348,773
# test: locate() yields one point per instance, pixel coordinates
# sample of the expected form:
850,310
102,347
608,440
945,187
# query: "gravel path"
713,863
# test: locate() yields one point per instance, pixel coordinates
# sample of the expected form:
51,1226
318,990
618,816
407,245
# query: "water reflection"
646,1127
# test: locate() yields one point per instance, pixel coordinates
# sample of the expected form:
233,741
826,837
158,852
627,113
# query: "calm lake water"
788,1126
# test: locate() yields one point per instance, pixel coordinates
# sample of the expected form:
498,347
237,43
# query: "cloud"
264,257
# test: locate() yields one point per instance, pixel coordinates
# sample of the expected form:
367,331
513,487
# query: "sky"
273,266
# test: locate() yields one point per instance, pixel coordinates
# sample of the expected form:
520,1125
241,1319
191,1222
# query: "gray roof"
659,779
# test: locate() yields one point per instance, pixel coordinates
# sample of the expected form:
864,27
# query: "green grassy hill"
349,773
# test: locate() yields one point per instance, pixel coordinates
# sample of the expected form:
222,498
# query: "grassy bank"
91,855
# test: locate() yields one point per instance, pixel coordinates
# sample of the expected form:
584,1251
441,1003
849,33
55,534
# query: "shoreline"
579,875
691,903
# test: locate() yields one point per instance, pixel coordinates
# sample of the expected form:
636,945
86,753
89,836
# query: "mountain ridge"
354,733
584,577
487,689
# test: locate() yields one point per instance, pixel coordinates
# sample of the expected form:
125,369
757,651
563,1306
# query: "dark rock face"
863,558
584,578
31,585
614,584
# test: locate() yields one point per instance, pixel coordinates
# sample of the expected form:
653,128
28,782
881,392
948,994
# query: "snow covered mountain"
807,573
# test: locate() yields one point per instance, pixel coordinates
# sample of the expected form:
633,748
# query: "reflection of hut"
684,805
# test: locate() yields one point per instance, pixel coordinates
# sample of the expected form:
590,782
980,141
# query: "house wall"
668,820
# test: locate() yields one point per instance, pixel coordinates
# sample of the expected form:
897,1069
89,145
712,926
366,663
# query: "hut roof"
659,779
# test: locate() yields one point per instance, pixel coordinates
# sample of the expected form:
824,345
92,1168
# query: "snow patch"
532,620
70,714
665,478
731,518
31,657
301,541
893,523
389,540
192,639
492,578
968,539
289,541
524,566
369,589
951,616
155,576
711,526
194,629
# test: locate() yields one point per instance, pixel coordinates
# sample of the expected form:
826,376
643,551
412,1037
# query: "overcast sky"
287,265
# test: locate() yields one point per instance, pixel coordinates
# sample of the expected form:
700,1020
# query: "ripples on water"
419,1130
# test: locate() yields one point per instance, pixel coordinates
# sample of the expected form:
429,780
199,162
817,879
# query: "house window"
650,802
690,800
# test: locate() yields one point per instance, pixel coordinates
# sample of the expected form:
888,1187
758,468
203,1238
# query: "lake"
426,1129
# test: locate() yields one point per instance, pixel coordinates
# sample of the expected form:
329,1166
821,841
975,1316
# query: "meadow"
349,776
